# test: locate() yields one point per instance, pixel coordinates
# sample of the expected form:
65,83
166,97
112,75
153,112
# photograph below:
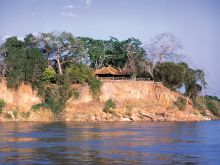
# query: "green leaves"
49,75
23,64
83,74
175,75
171,74
109,106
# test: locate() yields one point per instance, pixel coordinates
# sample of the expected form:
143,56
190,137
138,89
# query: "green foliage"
199,103
23,64
2,105
109,106
175,75
211,105
95,88
79,73
180,103
56,95
61,49
40,105
49,75
212,98
83,74
208,102
171,74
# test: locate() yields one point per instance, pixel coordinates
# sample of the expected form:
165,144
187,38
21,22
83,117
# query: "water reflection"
110,143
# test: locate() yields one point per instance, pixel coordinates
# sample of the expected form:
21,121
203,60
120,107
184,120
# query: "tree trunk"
59,66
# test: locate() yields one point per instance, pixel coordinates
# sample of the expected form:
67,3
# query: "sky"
195,22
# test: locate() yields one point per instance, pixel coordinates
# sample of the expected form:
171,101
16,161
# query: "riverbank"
134,101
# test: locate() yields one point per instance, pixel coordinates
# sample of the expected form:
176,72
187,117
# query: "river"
110,143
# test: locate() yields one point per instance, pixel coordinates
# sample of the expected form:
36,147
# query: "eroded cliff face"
135,101
24,97
19,103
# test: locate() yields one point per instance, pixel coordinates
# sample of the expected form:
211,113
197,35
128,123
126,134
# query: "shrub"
49,75
83,74
55,97
2,105
40,105
212,107
199,103
180,103
109,105
95,88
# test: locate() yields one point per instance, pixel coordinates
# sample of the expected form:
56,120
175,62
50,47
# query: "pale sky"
195,22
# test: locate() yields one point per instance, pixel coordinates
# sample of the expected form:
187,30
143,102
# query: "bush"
83,74
55,97
180,103
40,105
49,75
95,88
212,107
199,103
109,105
2,105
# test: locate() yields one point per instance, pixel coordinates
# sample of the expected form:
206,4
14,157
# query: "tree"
118,54
134,52
163,47
23,64
11,43
30,41
98,53
171,74
176,75
194,81
61,49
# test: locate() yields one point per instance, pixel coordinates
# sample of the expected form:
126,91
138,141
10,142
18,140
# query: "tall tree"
23,64
134,51
176,75
163,48
98,53
61,48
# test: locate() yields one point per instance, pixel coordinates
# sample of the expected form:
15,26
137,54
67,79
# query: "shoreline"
29,121
134,101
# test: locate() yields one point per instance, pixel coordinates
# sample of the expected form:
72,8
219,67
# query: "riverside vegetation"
53,62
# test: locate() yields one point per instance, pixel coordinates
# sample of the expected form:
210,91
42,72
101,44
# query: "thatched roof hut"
110,72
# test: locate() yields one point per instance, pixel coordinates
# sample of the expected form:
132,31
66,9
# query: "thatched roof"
109,70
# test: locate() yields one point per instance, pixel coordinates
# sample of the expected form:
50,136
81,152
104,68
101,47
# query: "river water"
110,143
